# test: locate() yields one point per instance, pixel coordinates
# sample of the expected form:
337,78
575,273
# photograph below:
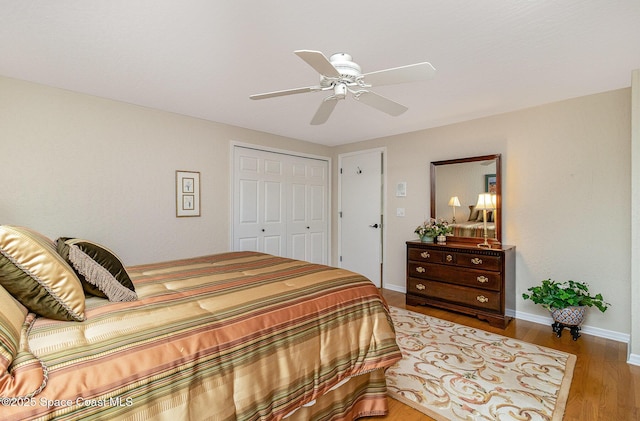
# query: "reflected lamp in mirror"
486,202
454,202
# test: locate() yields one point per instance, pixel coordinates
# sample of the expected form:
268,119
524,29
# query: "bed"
472,229
231,336
474,225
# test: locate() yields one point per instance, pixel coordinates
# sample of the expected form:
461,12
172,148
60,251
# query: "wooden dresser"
464,278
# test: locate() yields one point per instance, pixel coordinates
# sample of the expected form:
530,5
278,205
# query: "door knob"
374,226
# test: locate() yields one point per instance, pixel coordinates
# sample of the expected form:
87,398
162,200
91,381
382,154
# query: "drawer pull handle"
420,269
476,261
482,298
425,254
420,287
482,279
449,257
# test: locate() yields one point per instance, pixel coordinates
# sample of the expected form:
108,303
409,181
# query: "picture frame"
187,193
490,183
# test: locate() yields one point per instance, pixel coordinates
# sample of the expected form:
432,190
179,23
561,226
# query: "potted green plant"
567,302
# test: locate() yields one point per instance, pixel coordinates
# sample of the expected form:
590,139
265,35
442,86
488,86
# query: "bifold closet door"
280,204
259,202
307,221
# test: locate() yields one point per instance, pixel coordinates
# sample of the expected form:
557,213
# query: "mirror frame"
472,240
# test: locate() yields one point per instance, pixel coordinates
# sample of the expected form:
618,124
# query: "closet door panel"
248,201
298,246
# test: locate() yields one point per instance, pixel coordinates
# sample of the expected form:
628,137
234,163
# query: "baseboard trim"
634,359
396,288
589,330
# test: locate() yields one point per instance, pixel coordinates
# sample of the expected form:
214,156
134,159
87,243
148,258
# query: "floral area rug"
455,372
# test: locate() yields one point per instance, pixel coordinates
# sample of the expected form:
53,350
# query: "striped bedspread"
239,335
473,229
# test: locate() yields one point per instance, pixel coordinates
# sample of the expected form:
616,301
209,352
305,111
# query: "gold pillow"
37,276
12,316
473,213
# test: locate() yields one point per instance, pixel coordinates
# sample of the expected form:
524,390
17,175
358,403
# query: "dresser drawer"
472,260
455,275
425,255
489,300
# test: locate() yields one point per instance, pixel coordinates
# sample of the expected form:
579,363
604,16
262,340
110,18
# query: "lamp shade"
454,201
485,201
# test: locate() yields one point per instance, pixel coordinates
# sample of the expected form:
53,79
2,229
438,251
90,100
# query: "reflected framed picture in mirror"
490,183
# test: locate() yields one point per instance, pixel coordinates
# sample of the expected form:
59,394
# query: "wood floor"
604,386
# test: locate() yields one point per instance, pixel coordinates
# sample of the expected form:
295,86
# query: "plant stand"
559,327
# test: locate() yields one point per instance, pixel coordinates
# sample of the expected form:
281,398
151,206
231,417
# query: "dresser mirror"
455,187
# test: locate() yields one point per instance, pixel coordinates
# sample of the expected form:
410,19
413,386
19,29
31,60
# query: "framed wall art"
187,193
490,183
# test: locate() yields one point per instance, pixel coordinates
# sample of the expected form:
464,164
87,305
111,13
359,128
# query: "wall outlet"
399,211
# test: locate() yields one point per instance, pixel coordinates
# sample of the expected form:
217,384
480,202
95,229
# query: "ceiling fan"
339,75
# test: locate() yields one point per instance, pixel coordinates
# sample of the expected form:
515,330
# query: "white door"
360,221
259,217
307,221
281,204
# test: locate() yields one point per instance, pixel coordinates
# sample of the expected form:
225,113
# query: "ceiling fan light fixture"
340,90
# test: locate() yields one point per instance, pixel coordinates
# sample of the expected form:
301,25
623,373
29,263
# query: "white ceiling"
203,58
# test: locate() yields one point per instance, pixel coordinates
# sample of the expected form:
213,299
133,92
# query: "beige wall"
566,193
83,166
77,165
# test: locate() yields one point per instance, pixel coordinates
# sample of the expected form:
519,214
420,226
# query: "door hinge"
340,214
341,258
340,170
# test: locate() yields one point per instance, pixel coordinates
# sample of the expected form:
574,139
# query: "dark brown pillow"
100,270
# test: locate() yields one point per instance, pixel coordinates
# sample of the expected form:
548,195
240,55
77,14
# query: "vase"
426,239
569,316
442,239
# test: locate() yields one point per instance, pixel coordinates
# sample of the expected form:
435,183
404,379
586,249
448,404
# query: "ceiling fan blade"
381,103
324,111
411,73
319,62
286,92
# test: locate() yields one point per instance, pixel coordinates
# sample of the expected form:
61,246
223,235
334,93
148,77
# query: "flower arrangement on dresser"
432,228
